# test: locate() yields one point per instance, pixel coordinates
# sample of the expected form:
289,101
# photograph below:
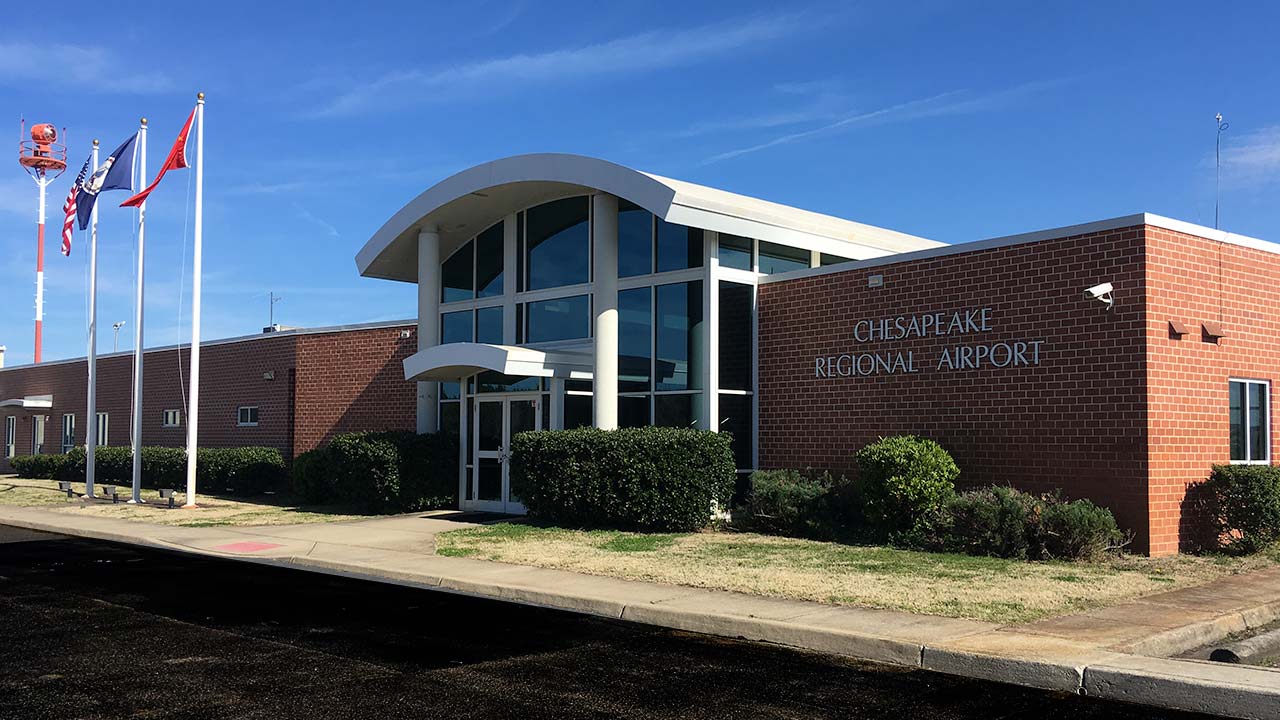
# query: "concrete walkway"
1105,653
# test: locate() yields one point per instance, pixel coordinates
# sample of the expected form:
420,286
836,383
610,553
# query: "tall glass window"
635,240
635,339
557,245
735,252
1250,408
680,336
776,258
489,325
735,336
566,318
455,327
825,259
456,279
489,254
679,247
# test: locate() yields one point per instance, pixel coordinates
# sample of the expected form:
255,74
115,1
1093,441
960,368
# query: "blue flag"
115,173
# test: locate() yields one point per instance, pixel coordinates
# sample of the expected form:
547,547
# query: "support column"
428,321
604,243
709,417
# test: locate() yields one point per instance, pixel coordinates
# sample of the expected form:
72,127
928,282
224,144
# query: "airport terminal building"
559,291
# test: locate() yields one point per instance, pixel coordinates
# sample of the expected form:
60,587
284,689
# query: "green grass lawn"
213,510
981,588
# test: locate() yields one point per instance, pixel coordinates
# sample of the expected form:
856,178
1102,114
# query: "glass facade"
455,327
776,258
566,318
736,346
679,247
680,336
735,252
635,339
489,254
635,240
457,279
489,325
557,244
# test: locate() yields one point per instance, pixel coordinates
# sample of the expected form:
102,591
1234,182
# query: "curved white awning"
458,360
464,204
30,402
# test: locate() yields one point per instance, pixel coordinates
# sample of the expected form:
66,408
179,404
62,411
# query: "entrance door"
497,420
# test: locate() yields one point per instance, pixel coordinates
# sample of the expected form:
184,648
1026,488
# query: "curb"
1189,637
1230,690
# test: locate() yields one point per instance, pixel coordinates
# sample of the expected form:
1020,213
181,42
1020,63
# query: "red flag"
177,160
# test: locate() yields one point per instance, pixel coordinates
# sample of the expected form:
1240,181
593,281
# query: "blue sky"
951,120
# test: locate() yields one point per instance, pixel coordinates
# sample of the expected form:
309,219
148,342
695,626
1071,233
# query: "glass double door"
497,420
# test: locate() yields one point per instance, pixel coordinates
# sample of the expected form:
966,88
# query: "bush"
1244,503
1008,523
997,521
902,481
787,502
162,467
239,471
1077,530
648,478
380,471
42,467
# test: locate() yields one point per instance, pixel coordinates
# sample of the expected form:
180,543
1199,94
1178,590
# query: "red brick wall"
307,387
1075,422
1193,280
354,381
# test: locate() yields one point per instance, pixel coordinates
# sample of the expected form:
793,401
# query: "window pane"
1237,421
674,410
635,339
489,325
450,390
559,319
633,411
735,418
558,243
735,336
780,258
450,418
735,252
680,336
635,240
455,327
455,276
679,247
1258,435
491,382
489,479
824,260
489,262
577,411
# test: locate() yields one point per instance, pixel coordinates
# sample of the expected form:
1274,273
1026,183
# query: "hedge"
241,471
380,471
1244,505
647,478
794,504
1008,523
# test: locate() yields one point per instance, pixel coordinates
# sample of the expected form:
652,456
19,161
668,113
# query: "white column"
604,239
428,321
710,418
91,410
135,433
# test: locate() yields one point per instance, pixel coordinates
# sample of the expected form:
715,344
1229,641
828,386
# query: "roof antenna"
1217,161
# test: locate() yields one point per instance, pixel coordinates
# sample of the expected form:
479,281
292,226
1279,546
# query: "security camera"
1101,293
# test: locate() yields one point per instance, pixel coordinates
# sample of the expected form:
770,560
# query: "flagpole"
136,434
91,412
193,406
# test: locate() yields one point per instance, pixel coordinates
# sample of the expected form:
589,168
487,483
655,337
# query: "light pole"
271,315
1217,169
115,343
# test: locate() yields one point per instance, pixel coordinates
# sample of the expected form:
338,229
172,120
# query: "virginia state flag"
177,160
115,173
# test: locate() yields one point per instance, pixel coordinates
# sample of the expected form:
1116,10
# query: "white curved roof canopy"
30,402
456,360
465,204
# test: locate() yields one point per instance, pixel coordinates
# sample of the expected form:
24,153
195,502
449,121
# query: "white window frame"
171,418
10,436
104,424
38,423
1266,460
241,412
68,432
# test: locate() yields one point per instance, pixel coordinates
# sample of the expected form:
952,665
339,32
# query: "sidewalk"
1102,653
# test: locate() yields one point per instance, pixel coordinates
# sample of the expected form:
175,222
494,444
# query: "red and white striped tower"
44,159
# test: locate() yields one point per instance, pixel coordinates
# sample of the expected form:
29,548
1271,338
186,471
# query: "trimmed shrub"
1077,530
42,467
162,467
903,480
648,478
239,471
1244,503
996,521
380,471
791,503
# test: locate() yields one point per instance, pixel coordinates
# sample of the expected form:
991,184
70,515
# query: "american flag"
69,207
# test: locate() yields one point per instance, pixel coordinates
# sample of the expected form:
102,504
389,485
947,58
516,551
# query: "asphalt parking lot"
94,630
